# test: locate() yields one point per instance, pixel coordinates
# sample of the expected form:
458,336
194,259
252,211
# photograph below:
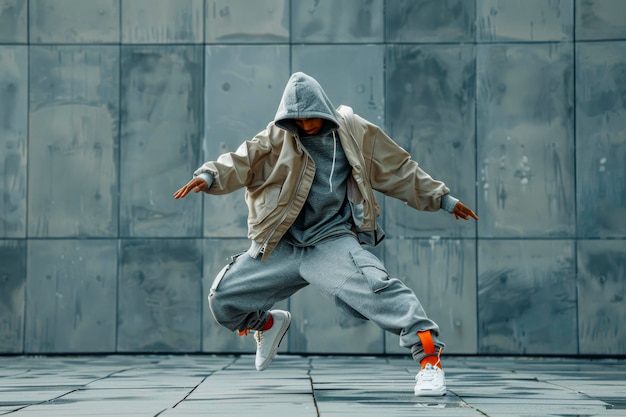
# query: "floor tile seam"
25,372
557,388
130,389
40,403
309,373
587,396
233,361
529,377
192,390
75,388
464,403
109,376
207,378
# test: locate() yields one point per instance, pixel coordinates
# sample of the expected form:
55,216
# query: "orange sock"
429,350
269,324
433,360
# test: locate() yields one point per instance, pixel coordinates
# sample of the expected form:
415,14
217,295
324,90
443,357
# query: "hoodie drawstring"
332,168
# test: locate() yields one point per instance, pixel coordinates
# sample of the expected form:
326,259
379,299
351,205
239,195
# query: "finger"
178,193
470,213
182,192
467,212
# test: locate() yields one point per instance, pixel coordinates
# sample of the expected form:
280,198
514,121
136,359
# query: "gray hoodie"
304,98
326,213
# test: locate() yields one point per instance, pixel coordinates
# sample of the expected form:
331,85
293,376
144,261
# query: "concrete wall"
107,106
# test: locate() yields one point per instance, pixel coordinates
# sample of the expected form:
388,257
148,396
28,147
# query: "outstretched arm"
197,184
461,211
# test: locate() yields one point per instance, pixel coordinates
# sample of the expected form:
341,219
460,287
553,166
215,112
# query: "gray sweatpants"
246,288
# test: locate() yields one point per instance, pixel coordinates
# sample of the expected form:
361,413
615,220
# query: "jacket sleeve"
394,173
234,170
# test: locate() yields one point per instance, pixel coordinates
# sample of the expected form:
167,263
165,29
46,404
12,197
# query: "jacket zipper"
284,216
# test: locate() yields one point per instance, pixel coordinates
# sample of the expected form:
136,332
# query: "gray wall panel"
359,84
217,254
13,131
600,139
527,297
160,288
73,141
12,296
162,21
74,21
528,20
243,90
161,139
601,292
442,273
328,21
13,21
437,21
525,140
600,19
430,112
237,21
72,294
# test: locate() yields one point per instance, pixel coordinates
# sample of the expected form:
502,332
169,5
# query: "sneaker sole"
275,349
431,393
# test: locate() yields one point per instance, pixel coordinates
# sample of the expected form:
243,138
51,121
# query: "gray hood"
304,98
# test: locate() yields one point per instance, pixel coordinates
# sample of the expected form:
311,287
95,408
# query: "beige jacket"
278,172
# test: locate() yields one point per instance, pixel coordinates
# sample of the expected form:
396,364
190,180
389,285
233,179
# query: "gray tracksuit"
320,247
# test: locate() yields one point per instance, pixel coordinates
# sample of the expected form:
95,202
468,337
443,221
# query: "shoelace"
258,336
439,357
429,372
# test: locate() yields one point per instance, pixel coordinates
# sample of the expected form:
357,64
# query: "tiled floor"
296,386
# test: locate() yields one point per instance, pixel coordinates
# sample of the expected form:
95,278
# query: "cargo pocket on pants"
221,274
372,269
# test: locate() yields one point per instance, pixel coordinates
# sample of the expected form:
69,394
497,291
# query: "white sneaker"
431,382
267,341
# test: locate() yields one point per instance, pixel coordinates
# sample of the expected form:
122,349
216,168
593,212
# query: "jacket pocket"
265,203
357,200
372,269
363,203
